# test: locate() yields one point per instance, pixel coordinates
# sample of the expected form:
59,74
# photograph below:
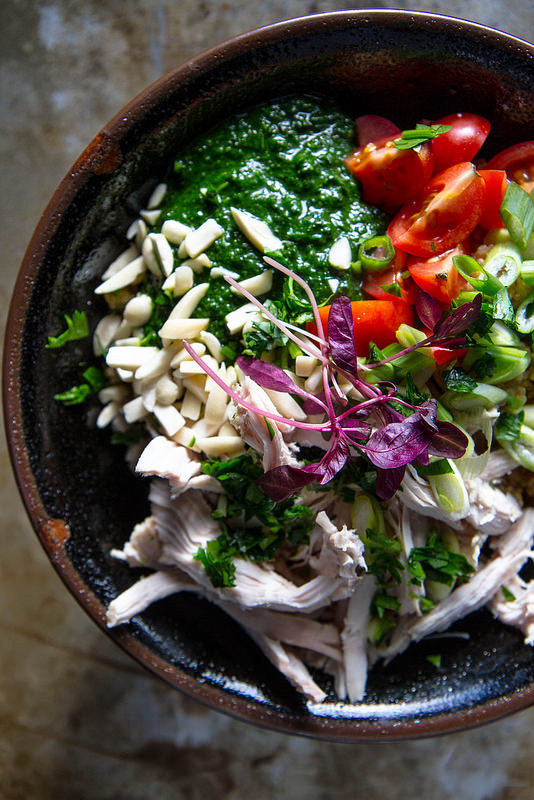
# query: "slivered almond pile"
165,387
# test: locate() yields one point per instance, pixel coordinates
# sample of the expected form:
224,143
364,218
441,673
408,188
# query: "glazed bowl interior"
81,497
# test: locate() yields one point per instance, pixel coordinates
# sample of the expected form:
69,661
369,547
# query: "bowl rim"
99,157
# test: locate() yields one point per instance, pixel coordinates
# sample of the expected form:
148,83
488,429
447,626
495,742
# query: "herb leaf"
77,328
419,135
436,563
508,426
457,380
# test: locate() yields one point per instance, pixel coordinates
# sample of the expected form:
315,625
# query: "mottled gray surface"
77,718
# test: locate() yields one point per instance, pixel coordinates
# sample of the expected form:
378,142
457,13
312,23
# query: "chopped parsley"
77,328
508,426
94,381
436,563
419,135
457,380
253,526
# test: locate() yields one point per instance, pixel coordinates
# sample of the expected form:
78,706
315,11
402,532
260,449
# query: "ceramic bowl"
81,498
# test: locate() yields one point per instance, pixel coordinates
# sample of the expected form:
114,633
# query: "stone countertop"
77,717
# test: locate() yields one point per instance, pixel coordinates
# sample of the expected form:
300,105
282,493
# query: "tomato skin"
446,213
442,355
462,142
518,163
425,274
371,128
390,177
495,181
374,321
373,281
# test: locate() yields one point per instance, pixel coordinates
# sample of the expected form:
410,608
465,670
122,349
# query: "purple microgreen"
388,481
307,289
334,460
341,335
428,309
448,442
305,345
398,443
314,405
460,319
241,402
281,482
272,377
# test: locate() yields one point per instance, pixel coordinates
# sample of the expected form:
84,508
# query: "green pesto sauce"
283,163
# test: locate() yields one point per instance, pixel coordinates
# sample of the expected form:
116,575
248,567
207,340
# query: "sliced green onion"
376,254
468,267
367,513
524,316
497,236
504,263
439,467
408,336
528,419
521,453
501,334
527,272
482,396
517,213
507,362
443,414
437,592
450,492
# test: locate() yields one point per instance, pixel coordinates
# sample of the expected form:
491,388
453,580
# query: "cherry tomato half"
444,215
438,276
374,321
518,163
496,182
442,355
371,127
462,142
390,177
374,281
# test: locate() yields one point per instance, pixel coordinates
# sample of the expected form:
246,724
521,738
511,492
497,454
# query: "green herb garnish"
457,380
508,426
77,328
419,135
94,381
436,563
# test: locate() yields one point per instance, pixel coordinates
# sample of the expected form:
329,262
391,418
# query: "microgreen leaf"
448,442
459,320
341,335
398,443
428,309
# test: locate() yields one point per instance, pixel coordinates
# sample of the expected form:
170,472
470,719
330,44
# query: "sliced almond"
158,254
157,196
202,237
183,328
257,284
256,230
340,254
124,277
174,231
124,258
129,357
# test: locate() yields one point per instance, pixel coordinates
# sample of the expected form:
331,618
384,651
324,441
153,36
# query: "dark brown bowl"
81,498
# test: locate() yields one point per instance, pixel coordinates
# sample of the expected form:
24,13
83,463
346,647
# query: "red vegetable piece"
391,177
462,142
442,355
438,275
518,163
446,212
371,127
495,181
374,321
374,281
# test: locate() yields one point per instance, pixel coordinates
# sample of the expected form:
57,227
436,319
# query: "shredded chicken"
265,439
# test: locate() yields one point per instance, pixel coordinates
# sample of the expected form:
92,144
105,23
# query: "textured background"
77,718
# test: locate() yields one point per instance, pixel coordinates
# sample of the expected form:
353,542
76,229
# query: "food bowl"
82,499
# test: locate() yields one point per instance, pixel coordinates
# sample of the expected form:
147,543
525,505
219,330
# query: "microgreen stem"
241,402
